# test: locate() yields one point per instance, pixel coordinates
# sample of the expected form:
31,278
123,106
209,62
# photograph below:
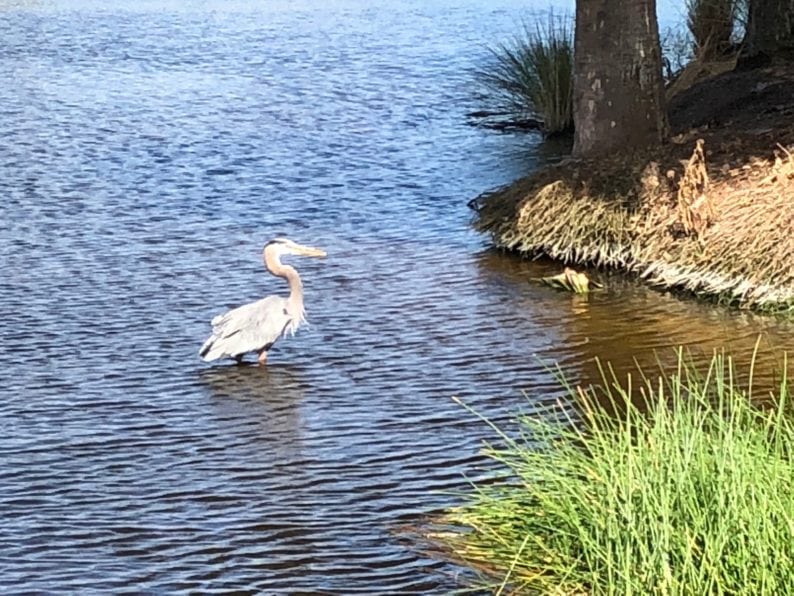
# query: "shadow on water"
274,384
261,403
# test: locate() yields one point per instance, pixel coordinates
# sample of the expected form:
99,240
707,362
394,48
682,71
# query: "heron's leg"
263,358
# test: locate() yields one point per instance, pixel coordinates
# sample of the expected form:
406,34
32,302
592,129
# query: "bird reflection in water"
258,404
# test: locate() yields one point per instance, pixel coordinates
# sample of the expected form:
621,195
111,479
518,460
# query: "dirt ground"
741,115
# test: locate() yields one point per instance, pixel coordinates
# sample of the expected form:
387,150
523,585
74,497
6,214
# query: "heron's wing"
247,328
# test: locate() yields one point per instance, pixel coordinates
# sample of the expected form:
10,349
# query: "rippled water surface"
147,152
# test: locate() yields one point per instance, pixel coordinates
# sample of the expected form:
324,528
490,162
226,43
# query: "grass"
624,213
688,490
532,75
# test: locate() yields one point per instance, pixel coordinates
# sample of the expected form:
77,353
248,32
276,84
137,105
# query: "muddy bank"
711,212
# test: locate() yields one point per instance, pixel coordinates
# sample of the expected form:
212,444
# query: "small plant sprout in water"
572,281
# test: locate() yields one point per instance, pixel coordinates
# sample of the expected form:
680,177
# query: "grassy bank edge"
690,489
645,215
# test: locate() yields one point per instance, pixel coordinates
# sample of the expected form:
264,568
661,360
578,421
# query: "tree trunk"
770,27
618,87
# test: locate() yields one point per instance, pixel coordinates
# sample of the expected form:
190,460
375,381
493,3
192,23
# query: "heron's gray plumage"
249,328
256,326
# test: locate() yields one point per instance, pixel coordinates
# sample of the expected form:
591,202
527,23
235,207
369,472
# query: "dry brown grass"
747,254
693,200
728,235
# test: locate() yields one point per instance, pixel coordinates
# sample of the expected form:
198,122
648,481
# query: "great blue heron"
256,326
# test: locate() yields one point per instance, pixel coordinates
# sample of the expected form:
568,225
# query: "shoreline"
710,212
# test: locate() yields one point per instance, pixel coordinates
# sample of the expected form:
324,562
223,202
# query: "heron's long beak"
309,251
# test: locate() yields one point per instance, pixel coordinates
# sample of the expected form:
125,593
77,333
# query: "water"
148,152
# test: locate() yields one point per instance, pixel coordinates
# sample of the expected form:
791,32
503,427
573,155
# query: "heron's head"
283,246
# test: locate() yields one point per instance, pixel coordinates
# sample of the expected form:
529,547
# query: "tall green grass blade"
676,484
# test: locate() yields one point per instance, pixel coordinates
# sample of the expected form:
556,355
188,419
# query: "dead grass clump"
695,211
729,238
746,256
558,219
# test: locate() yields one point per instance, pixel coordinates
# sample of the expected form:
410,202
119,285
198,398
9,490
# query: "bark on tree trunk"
770,27
618,87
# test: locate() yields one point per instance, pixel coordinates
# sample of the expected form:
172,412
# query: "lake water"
147,152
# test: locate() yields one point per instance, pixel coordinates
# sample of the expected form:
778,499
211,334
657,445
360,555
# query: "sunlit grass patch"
688,489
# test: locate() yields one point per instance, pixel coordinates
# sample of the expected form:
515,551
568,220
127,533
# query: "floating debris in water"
572,281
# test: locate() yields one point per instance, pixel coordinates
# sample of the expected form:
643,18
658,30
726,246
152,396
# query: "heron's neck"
279,269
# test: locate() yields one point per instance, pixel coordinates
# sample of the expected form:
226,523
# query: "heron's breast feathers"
294,322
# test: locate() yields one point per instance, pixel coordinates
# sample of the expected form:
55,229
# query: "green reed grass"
532,75
689,489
